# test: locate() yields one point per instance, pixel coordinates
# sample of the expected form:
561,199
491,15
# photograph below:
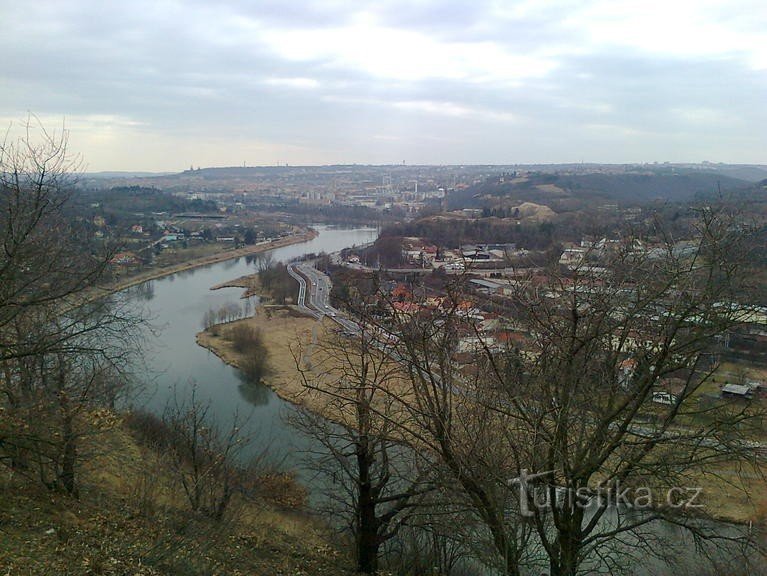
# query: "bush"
148,429
248,342
276,281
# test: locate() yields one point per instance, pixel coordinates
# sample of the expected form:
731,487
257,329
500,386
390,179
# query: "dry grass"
551,189
737,496
287,335
250,283
281,330
131,519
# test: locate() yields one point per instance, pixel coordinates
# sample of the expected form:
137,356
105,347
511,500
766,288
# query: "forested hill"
578,190
140,199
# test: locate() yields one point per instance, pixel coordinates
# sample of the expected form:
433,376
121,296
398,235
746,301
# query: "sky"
160,85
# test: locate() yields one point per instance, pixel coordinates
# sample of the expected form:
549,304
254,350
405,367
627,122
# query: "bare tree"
203,456
478,450
575,403
372,478
64,350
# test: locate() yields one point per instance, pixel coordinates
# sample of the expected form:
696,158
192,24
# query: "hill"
574,191
131,518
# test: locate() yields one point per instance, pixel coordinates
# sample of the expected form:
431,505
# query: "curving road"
314,295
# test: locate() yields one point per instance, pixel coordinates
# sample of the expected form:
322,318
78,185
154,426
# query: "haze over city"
162,86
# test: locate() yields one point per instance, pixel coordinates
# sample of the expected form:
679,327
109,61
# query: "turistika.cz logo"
535,494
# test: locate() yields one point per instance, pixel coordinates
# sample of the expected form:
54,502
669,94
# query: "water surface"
175,363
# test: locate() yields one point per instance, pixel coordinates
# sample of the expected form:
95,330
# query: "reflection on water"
252,392
229,264
143,291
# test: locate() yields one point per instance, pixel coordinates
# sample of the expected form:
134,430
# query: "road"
319,297
303,289
314,295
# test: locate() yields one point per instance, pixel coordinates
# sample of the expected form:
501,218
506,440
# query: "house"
666,398
412,255
737,391
454,266
126,259
403,309
435,302
476,255
485,286
572,257
626,371
513,338
401,293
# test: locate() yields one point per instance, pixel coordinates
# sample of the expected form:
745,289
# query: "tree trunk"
568,557
367,523
69,458
367,543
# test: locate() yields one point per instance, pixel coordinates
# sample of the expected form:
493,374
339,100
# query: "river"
174,362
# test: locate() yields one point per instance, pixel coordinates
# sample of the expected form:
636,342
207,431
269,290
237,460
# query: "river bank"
286,332
155,274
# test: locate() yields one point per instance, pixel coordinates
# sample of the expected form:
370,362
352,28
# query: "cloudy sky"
162,85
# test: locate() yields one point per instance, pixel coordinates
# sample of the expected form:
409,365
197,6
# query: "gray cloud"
435,82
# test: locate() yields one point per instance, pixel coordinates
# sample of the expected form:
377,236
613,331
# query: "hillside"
131,518
575,191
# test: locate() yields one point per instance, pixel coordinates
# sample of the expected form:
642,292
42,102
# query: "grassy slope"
131,519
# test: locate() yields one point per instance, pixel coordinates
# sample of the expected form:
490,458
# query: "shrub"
248,342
